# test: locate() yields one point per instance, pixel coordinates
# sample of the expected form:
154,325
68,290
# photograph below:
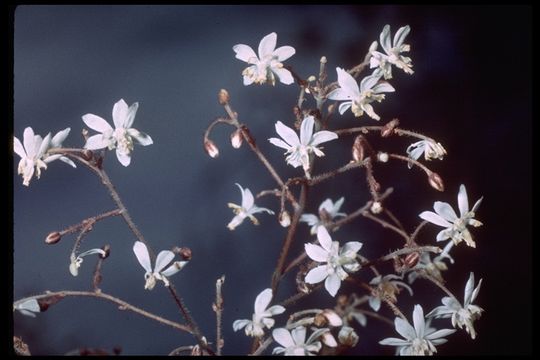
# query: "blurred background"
471,91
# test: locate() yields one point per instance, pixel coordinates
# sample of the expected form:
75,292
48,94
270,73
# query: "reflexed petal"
439,334
434,218
18,148
394,342
28,141
59,138
275,310
315,252
326,205
477,204
237,220
375,303
418,320
29,305
247,197
288,134
463,201
267,45
125,159
368,82
444,234
324,238
344,107
385,40
323,136
142,138
174,268
248,80
132,111
369,110
163,259
67,161
316,275
299,335
283,337
310,219
97,123
51,158
284,52
347,82
404,329
239,324
284,75
306,130
44,145
339,94
445,211
244,52
469,289
383,87
400,35
332,284
141,252
96,142
351,248
476,291
120,113
262,301
279,143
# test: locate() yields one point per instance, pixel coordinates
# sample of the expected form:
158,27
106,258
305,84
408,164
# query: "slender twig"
322,177
417,230
85,229
218,308
403,251
386,224
93,219
377,316
263,345
397,131
439,284
122,305
393,218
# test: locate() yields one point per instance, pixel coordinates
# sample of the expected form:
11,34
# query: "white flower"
247,209
121,137
268,64
328,210
393,51
430,149
162,260
32,154
387,286
359,98
294,342
76,261
56,142
29,307
455,227
337,261
299,148
262,317
461,315
419,340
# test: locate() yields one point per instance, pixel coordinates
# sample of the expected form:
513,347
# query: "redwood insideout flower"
430,149
247,209
294,342
121,137
300,148
32,154
268,64
359,99
262,317
163,259
328,209
393,52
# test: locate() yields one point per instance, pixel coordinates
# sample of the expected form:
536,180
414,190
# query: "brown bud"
236,139
107,250
320,320
223,97
44,303
358,151
53,238
183,252
284,218
436,181
211,148
388,128
87,154
411,260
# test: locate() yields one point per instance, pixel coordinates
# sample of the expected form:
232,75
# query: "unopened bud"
376,207
107,252
211,148
436,181
328,339
411,260
183,252
87,154
53,238
236,139
347,336
358,151
223,97
284,218
389,127
311,78
323,60
382,157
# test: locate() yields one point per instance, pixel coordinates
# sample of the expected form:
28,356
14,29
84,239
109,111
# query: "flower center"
125,142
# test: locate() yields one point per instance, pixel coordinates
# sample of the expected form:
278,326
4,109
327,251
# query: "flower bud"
358,151
211,148
388,128
436,181
323,60
284,218
311,78
347,336
223,97
87,154
183,252
376,207
328,339
382,157
411,259
53,238
236,139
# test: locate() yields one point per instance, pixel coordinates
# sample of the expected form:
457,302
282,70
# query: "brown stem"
93,219
386,225
322,177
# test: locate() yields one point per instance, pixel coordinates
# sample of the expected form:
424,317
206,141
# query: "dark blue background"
471,91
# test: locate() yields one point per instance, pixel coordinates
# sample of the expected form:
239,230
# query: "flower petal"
385,40
339,94
244,53
263,300
237,220
288,134
310,219
324,238
394,342
163,259
132,111
315,252
439,334
299,335
275,310
350,248
97,123
141,252
120,114
332,284
316,275
369,82
239,324
463,200
383,87
247,197
267,45
29,142
284,75
306,130
323,136
125,159
419,321
344,107
283,337
279,143
284,52
347,83
174,268
404,329
142,138
59,138
400,35
445,211
98,141
18,148
434,218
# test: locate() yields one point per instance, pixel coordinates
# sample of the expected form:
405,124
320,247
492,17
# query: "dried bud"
87,154
311,78
20,347
332,318
388,128
436,181
411,260
183,252
236,138
323,60
284,218
347,336
328,339
382,157
211,148
107,250
223,97
45,303
376,207
358,151
53,238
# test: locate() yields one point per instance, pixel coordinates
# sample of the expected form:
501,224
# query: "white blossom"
430,149
121,137
56,142
393,52
335,261
262,317
76,261
162,260
268,64
294,342
455,227
247,209
299,148
359,99
461,315
328,210
418,340
387,286
28,307
32,154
